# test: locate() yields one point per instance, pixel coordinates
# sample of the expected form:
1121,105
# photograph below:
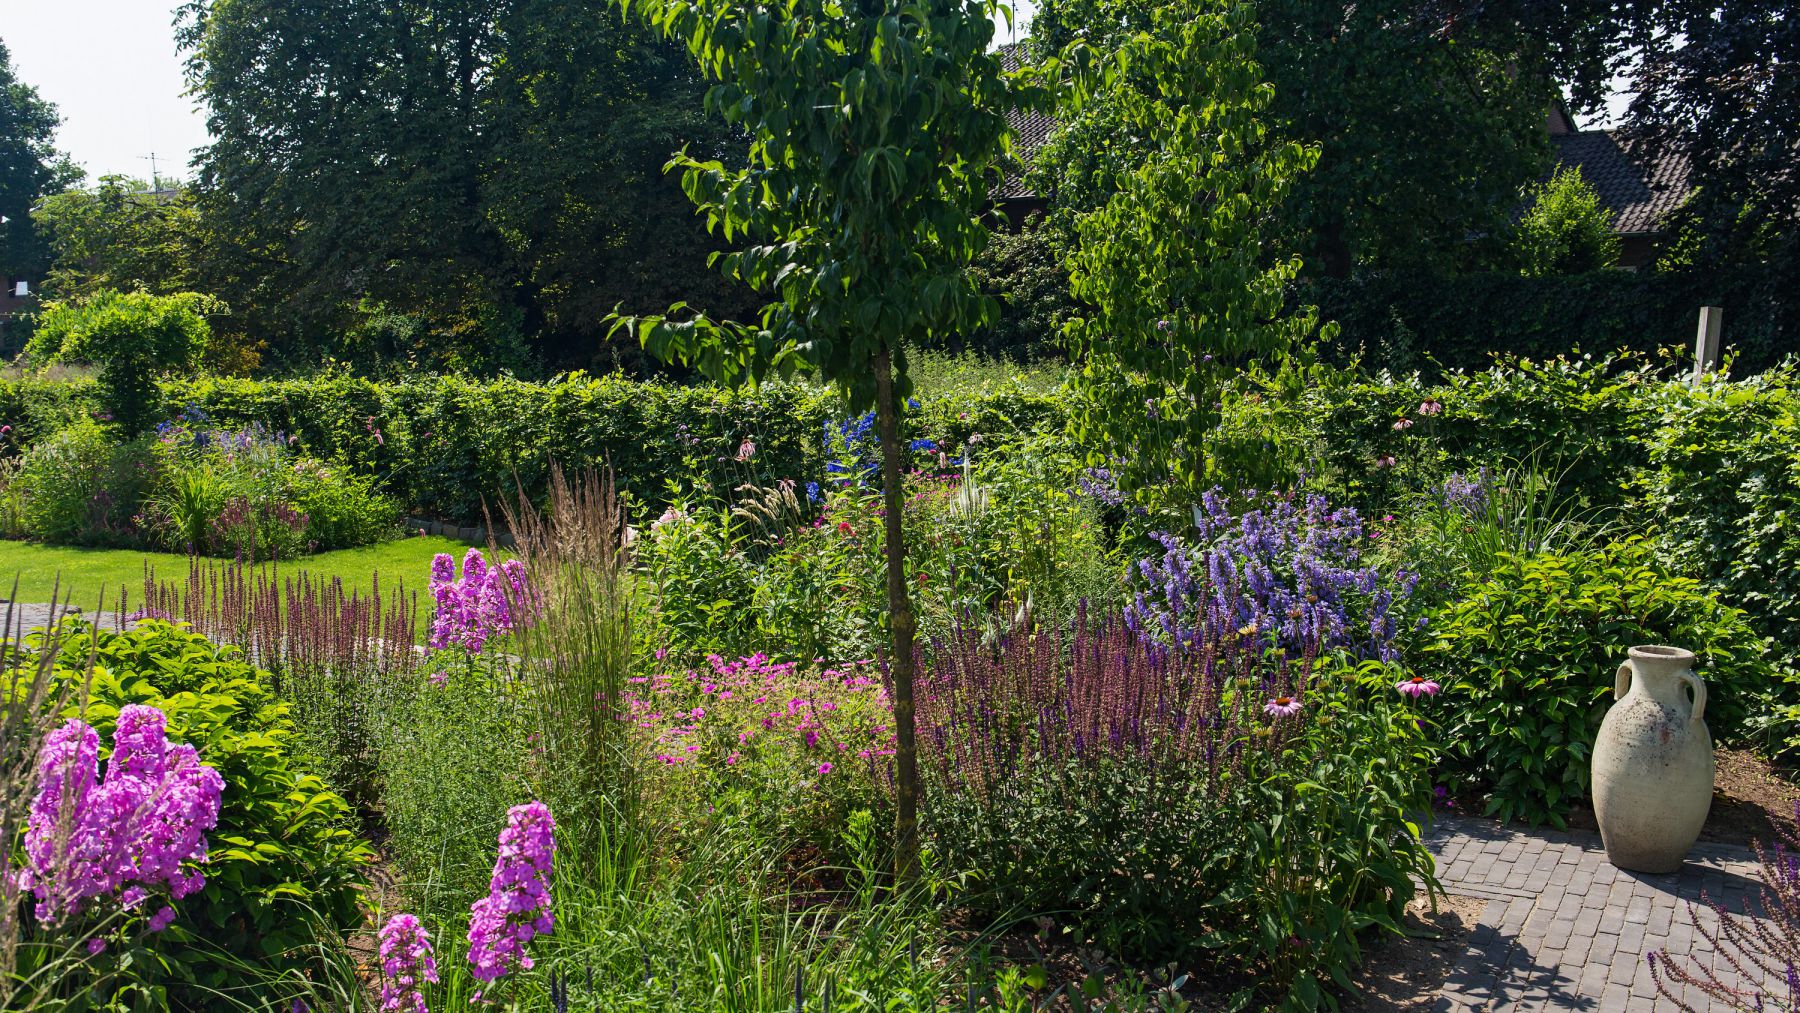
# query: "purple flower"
406,963
479,606
1417,686
142,828
161,919
1282,707
517,906
95,946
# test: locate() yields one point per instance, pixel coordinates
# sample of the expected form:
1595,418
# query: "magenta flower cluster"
406,963
478,606
517,906
141,829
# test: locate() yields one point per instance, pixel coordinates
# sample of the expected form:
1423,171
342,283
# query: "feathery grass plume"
1760,949
331,648
572,628
29,704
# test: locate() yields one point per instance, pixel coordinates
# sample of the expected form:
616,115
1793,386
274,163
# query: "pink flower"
1384,461
517,906
1417,686
94,946
1404,423
824,768
1282,707
746,450
406,963
161,919
1429,407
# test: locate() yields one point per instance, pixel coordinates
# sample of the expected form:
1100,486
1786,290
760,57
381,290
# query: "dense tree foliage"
30,167
487,173
1565,229
1173,263
876,132
120,235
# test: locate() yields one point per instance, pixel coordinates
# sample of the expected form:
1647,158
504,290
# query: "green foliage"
33,169
1173,261
1527,656
79,487
1723,484
1023,272
1565,229
134,338
284,862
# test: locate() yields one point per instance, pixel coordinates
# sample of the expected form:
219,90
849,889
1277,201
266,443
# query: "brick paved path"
1565,930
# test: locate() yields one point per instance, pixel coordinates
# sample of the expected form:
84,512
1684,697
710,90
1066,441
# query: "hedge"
1404,322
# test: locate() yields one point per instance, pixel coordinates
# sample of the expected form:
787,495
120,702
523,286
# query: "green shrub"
284,860
79,487
1527,658
1722,491
1566,230
134,338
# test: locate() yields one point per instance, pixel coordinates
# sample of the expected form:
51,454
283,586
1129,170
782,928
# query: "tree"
490,168
134,338
876,128
30,167
1565,229
1429,114
1173,262
119,235
1717,92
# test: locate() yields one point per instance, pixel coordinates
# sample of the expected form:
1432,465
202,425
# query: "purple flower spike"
517,906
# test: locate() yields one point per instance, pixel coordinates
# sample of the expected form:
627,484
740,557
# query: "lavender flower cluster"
406,963
1467,494
142,828
1289,574
478,606
517,906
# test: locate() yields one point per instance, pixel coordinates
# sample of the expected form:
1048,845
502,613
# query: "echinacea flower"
1404,423
1384,461
1417,686
1429,407
1282,707
746,450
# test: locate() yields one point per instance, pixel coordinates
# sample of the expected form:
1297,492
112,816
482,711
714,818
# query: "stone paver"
1565,930
34,615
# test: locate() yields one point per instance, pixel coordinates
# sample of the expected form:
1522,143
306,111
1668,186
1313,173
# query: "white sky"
112,70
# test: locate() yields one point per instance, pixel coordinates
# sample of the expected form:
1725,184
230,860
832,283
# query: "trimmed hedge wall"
1404,322
443,445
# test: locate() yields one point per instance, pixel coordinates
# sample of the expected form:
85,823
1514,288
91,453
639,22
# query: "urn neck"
1658,670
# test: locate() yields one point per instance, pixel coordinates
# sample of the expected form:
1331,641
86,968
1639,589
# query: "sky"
120,87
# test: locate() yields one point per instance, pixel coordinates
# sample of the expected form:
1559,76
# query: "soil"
1407,973
1751,801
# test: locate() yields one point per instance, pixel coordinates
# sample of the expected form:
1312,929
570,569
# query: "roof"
1638,199
1030,130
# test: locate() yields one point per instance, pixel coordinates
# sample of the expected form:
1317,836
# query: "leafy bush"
285,862
1723,487
80,487
1566,230
134,338
1528,653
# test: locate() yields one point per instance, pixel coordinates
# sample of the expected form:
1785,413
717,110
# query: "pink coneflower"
1384,461
1430,408
1282,707
1417,686
746,450
1404,423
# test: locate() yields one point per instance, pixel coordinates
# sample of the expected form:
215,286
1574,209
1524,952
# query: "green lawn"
86,573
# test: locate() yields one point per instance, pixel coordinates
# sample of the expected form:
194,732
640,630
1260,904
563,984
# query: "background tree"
1717,88
30,168
1174,261
1565,228
876,128
490,169
135,338
120,235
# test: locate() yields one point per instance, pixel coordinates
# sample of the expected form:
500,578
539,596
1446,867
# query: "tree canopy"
30,168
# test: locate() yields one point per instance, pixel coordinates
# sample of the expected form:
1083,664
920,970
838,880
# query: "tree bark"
900,625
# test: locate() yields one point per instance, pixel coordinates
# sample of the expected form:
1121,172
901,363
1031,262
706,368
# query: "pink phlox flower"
406,964
517,906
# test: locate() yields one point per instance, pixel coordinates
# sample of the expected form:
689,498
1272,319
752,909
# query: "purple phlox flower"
406,964
142,828
517,907
480,605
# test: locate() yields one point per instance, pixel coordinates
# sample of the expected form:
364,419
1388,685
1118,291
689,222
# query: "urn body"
1653,762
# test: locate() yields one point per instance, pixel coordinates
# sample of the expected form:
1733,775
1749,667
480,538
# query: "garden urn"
1653,762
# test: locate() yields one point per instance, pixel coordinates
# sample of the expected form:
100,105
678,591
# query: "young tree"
120,235
875,128
1565,230
1174,261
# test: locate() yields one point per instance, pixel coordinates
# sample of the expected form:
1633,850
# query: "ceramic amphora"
1653,762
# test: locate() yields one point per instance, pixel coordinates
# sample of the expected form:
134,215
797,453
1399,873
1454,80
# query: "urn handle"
1622,681
1699,688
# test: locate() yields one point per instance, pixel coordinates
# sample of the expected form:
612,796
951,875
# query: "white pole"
1706,341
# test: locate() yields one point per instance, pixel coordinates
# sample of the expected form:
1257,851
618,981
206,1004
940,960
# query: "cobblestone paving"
1565,930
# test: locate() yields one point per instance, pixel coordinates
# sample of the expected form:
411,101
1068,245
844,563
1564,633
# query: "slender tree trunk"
900,624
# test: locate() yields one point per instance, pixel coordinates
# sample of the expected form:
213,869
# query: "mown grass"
84,574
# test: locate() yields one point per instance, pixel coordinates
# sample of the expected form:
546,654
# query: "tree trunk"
900,624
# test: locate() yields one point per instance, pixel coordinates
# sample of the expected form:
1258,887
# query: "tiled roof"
1638,199
1030,131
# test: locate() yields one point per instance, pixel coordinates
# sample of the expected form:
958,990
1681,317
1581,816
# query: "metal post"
1706,341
